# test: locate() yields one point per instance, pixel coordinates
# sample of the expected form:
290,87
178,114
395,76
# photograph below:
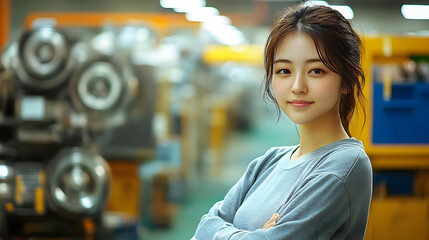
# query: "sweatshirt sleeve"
317,210
320,208
217,223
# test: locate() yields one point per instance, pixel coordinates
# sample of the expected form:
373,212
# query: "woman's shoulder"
345,159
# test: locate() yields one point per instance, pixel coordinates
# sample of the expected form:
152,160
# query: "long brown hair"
338,45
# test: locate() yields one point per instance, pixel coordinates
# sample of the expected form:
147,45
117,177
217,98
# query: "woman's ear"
344,90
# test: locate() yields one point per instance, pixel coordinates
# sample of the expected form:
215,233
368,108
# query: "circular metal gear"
78,182
44,58
100,89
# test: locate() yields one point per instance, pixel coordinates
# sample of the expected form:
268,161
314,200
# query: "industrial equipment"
59,94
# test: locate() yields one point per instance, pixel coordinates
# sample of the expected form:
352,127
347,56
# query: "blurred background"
130,119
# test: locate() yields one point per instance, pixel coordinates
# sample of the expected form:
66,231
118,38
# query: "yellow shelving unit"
394,217
384,49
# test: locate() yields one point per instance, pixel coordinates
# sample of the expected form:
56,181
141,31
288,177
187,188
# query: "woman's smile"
300,103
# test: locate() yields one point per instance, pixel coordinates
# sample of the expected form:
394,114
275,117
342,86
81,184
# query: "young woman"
321,188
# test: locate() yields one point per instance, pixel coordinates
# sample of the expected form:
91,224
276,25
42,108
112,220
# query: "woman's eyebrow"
289,61
313,60
282,60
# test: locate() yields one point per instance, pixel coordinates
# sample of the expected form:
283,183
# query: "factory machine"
395,135
64,97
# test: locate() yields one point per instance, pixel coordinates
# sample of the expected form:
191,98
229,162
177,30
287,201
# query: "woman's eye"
283,71
317,71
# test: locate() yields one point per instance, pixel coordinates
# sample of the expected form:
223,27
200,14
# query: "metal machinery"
59,93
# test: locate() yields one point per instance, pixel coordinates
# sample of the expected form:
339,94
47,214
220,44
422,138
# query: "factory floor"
240,149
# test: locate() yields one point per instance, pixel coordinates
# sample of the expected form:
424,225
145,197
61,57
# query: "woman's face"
305,89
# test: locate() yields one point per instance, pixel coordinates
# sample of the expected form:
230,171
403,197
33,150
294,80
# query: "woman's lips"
300,103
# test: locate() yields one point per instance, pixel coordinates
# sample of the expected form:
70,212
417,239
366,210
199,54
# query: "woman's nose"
299,84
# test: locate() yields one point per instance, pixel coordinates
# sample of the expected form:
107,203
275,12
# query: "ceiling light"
202,14
415,11
216,21
189,5
345,10
315,3
169,3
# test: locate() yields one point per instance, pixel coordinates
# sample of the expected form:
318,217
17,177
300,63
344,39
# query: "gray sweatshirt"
323,195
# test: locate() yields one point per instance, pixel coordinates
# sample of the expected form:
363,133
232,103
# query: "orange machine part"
160,21
4,22
125,188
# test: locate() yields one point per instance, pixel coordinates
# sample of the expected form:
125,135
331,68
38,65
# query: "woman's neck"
318,134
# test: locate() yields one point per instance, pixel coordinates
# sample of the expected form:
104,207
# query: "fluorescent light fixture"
217,20
231,36
228,35
169,3
189,5
182,5
201,14
219,26
223,32
185,9
345,10
315,3
420,12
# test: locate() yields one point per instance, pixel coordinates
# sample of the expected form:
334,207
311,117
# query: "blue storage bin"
404,119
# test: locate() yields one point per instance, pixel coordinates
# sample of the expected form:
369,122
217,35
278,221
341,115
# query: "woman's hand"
272,221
